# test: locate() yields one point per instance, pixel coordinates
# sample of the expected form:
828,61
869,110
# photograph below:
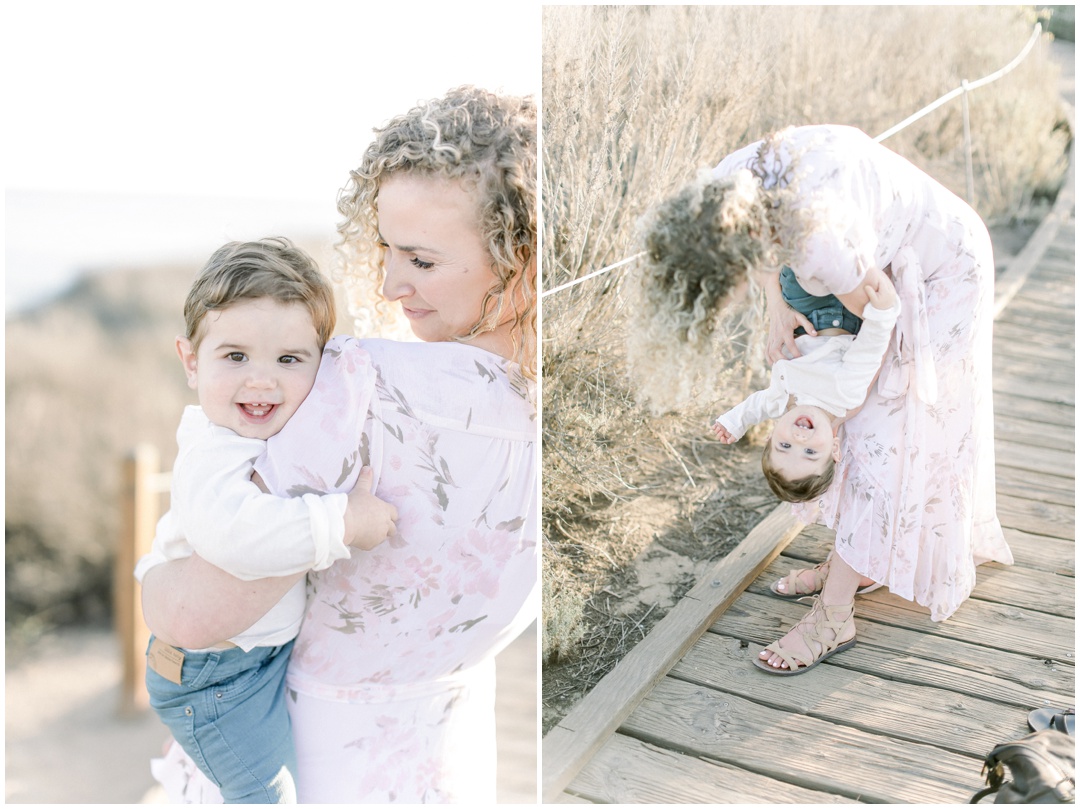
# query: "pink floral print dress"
913,502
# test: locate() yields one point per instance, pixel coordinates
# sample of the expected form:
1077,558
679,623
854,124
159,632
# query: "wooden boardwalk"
908,713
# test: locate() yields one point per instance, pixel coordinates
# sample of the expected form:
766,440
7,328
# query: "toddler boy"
256,320
810,396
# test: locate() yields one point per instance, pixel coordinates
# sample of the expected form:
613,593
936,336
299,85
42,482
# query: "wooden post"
140,509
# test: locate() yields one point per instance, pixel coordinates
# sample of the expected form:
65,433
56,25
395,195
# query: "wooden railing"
143,488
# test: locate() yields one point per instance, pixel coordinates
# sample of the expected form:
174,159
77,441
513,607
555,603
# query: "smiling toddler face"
802,442
255,364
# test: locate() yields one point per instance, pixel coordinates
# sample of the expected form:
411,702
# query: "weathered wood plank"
1011,371
1020,474
799,749
908,655
598,714
1048,554
1021,335
960,723
1044,460
1052,436
1013,403
1036,387
1034,590
1049,519
630,771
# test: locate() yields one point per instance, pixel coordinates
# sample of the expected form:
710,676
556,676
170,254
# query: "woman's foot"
824,631
809,581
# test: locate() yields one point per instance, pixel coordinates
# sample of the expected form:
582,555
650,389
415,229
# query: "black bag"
1042,766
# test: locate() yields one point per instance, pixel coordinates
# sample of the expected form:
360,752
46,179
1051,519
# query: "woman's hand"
783,320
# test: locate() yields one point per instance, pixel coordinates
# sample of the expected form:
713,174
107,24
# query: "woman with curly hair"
390,684
912,499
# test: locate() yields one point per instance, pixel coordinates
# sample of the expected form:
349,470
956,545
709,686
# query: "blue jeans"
229,715
824,311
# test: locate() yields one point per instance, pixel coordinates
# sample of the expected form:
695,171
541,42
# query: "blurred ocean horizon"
52,238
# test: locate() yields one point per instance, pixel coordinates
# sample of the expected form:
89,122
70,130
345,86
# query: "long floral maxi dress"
391,682
913,501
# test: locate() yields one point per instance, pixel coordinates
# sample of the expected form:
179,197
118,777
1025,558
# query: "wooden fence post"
140,507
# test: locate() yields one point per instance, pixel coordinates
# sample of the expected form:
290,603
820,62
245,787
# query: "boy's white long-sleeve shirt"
833,373
218,512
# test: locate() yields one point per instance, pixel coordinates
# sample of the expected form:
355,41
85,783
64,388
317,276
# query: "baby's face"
256,364
802,441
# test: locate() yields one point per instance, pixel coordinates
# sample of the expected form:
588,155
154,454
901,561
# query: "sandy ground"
66,744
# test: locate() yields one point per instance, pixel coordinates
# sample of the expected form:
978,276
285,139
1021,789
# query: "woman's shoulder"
455,380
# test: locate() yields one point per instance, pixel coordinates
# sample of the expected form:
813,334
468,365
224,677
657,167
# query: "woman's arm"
189,602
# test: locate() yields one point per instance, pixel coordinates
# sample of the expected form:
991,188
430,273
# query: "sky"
138,132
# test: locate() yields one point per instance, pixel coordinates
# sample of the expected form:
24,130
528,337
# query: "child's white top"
218,512
833,373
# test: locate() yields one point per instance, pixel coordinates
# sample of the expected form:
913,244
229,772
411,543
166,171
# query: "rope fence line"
964,88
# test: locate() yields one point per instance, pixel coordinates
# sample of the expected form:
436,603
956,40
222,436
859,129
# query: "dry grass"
636,99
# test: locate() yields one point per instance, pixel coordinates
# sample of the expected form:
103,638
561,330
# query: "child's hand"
369,521
884,296
721,432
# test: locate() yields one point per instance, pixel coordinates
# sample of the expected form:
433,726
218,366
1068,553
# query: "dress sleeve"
328,440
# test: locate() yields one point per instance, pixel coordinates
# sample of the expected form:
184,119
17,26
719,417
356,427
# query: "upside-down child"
811,395
256,321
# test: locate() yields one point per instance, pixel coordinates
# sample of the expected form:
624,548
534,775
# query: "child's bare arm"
369,521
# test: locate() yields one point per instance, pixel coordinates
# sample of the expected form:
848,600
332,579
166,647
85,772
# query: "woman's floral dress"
391,683
913,501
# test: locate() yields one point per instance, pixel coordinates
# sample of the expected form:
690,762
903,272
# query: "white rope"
965,87
569,284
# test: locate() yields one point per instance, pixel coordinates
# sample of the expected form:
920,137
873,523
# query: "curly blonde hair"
700,244
489,142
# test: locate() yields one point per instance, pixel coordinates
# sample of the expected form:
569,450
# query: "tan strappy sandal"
838,618
797,587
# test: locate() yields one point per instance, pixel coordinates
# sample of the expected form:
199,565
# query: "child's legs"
229,715
824,311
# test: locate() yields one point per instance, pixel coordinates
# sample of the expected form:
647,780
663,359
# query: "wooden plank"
906,654
628,771
1023,631
799,749
1049,554
1026,632
1046,235
1014,404
1036,388
960,723
596,717
1050,436
1049,519
1025,335
1032,484
1034,590
1042,553
1026,370
1046,460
